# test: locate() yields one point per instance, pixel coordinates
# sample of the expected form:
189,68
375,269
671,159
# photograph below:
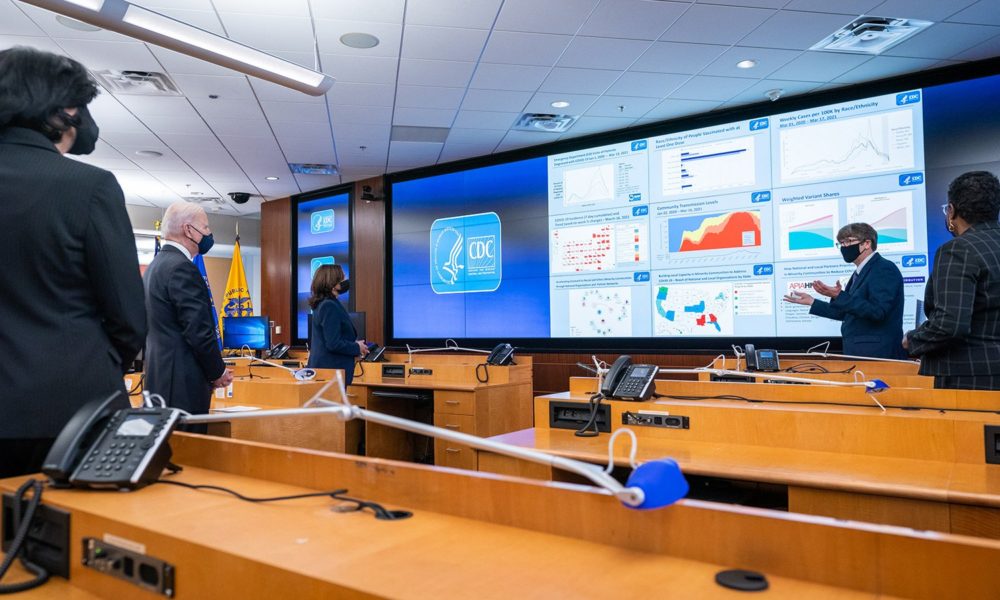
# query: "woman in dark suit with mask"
335,343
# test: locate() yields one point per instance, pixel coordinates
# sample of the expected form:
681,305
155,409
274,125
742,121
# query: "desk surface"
429,556
926,480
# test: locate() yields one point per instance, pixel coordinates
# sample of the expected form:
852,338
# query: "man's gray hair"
179,214
859,231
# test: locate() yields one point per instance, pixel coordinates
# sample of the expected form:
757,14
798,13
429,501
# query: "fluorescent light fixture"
142,24
746,64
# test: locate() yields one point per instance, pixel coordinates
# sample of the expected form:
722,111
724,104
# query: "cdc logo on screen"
321,221
318,262
465,254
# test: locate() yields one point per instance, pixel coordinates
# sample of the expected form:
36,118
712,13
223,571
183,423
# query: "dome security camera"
240,197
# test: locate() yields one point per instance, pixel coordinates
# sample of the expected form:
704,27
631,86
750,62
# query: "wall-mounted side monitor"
246,332
687,238
321,235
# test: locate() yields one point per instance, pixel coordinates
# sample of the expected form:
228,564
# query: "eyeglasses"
849,242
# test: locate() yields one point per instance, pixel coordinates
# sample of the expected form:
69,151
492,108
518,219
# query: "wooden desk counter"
485,536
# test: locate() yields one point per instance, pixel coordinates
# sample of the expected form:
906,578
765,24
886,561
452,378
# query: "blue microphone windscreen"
661,481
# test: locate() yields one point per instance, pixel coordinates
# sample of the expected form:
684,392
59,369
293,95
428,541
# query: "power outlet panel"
993,444
141,570
648,418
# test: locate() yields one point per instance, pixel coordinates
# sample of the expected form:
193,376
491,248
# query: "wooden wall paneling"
276,266
368,238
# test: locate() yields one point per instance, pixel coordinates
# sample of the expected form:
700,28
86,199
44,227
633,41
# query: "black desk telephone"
626,381
108,444
279,350
501,355
761,360
375,353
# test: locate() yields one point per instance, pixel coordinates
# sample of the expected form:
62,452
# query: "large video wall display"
696,234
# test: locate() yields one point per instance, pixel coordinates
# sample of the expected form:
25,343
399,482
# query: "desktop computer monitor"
250,332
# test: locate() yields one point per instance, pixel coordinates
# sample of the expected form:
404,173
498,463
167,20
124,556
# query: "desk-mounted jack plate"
138,569
47,544
993,444
648,418
391,370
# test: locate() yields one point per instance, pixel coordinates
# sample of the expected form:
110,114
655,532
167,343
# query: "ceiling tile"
376,115
291,130
228,126
478,119
820,66
453,152
231,109
202,19
987,49
285,8
361,94
715,24
587,125
328,32
120,56
443,43
176,63
304,112
145,139
39,43
752,3
265,90
632,19
155,106
703,87
349,149
476,136
795,30
847,7
309,183
495,100
525,48
421,96
621,106
446,73
672,57
452,13
542,103
544,16
360,69
944,40
931,10
579,81
369,135
112,116
359,174
226,87
414,152
523,139
508,77
602,53
757,92
649,85
984,12
14,22
768,60
884,66
285,34
186,124
423,117
380,11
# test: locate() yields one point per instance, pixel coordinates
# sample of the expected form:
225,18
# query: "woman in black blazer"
334,340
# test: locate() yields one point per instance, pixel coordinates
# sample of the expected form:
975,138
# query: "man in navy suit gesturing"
870,305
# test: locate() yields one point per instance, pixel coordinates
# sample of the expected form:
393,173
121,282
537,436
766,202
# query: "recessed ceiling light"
746,64
359,40
560,104
148,153
74,24
272,178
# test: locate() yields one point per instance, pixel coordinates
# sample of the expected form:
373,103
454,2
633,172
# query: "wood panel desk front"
923,469
483,536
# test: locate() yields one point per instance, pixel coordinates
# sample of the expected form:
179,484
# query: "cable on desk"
485,377
358,365
22,524
135,390
590,428
332,494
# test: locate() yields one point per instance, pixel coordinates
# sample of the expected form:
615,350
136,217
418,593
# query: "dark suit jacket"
961,335
70,292
871,308
182,352
334,339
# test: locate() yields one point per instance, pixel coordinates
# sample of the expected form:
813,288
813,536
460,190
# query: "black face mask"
850,253
206,243
344,286
87,132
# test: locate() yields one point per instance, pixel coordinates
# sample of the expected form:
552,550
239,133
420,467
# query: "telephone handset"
107,444
626,381
761,360
375,353
279,350
502,354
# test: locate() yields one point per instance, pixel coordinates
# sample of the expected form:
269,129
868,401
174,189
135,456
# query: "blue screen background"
335,243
